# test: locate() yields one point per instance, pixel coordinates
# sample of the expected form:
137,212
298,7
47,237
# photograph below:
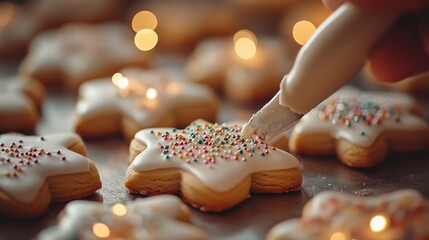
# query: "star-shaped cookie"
215,63
361,127
20,102
403,214
38,170
76,53
159,217
213,166
104,109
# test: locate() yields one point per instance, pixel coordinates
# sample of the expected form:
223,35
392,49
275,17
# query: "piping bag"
328,60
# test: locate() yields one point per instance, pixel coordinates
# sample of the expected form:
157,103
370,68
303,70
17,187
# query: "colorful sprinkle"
209,143
345,111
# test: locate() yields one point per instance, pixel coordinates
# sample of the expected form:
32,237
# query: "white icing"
26,185
102,96
149,218
329,212
220,176
13,98
311,123
79,51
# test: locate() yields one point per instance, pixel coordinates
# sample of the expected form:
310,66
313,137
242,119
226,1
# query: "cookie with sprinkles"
212,166
403,214
20,103
361,127
158,217
38,170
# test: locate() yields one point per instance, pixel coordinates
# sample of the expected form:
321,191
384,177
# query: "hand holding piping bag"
403,51
330,58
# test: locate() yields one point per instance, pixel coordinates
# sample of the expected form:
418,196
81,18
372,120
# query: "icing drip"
149,218
26,162
405,212
216,154
361,117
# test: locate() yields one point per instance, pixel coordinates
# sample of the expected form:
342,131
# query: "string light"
151,93
338,236
144,20
245,44
302,31
100,230
146,39
119,209
378,223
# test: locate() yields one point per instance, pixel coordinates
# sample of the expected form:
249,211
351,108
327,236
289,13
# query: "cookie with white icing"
403,214
38,170
361,127
212,166
152,98
159,217
76,53
181,25
20,102
215,63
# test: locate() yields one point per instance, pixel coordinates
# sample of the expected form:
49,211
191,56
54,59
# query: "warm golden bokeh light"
151,93
7,12
302,31
245,34
143,20
100,230
245,48
116,77
119,209
378,223
146,39
338,236
123,83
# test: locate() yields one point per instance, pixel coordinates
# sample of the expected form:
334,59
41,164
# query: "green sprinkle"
262,154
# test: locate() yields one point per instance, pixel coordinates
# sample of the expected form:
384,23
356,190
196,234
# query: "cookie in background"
246,68
181,24
54,13
158,217
17,28
134,99
361,128
21,100
76,53
402,214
